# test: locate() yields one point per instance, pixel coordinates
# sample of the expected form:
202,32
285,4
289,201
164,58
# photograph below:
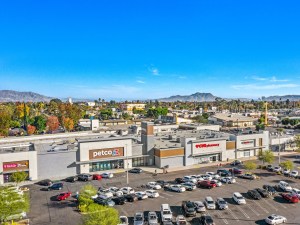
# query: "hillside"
197,97
16,96
282,98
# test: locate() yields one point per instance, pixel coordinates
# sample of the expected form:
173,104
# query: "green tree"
200,119
18,177
250,165
5,119
12,202
15,124
40,123
287,165
297,142
101,215
85,197
266,156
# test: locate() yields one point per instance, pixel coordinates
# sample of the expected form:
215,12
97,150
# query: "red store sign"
206,145
247,142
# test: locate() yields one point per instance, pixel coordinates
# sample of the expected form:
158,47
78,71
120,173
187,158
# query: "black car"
72,179
206,220
264,193
224,173
269,189
167,187
254,194
236,163
45,182
188,208
119,200
162,183
269,168
130,198
104,202
56,186
179,180
135,170
85,177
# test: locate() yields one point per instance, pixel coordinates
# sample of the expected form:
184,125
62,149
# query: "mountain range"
16,96
197,97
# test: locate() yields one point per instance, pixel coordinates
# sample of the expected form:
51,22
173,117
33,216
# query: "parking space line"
269,204
233,215
168,194
280,204
266,211
221,217
249,206
242,211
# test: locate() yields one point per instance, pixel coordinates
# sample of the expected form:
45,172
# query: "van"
166,213
238,198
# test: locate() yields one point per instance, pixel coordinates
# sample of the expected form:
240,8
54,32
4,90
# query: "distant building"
130,106
70,100
232,120
91,104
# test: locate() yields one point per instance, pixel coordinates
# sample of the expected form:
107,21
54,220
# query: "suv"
56,186
221,203
254,194
138,219
207,184
166,213
209,203
271,190
188,208
238,198
284,186
206,220
85,177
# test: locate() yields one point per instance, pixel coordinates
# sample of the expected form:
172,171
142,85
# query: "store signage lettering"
19,165
114,152
206,145
247,142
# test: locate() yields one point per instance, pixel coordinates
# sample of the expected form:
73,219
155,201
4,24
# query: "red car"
291,198
63,196
97,177
235,171
207,184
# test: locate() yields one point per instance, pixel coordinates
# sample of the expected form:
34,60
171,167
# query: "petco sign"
106,153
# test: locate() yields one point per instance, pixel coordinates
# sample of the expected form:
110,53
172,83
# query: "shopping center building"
61,155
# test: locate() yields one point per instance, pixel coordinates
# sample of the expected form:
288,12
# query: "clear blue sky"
149,49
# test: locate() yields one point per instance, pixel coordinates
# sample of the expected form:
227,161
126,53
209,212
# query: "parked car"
290,197
123,220
275,219
269,167
152,193
236,163
104,202
141,195
115,191
119,200
296,192
85,177
206,184
217,182
224,173
45,182
180,220
152,218
286,172
189,179
177,188
221,203
188,208
209,203
107,175
97,177
179,180
228,180
277,169
238,198
55,186
71,179
162,183
206,177
199,206
269,189
138,218
235,170
254,194
165,213
127,190
153,185
264,193
105,193
206,220
248,176
63,196
135,170
189,186
213,175
130,198
284,186
294,173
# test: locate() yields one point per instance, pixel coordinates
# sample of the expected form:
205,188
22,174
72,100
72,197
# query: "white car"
197,177
207,177
189,179
127,190
209,203
105,193
213,175
154,185
217,182
141,195
228,180
152,193
116,191
294,173
285,186
238,198
277,169
107,175
199,206
275,219
177,188
123,220
180,220
296,192
286,171
152,218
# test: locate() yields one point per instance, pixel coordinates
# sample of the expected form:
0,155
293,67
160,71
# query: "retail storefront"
10,167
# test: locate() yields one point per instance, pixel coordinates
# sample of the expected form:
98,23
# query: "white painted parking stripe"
254,211
242,211
269,204
233,215
221,217
280,204
266,211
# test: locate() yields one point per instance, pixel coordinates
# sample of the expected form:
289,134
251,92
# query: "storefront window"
138,162
246,153
107,165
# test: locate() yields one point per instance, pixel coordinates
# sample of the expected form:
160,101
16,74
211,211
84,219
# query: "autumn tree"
21,111
52,123
30,129
5,119
68,124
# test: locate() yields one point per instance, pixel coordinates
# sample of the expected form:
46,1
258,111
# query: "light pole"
127,178
279,149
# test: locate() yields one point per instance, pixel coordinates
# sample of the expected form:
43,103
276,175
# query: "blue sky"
150,49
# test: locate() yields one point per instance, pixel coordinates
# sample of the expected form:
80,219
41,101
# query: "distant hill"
16,96
282,98
197,97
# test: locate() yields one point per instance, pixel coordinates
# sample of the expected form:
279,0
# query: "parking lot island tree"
101,215
18,177
266,156
288,164
250,165
85,201
297,142
12,202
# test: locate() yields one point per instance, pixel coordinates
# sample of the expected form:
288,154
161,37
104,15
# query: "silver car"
138,219
199,206
221,203
152,218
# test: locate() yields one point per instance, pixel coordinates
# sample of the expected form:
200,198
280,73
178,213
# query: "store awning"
110,159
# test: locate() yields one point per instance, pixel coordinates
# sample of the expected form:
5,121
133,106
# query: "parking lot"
45,210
